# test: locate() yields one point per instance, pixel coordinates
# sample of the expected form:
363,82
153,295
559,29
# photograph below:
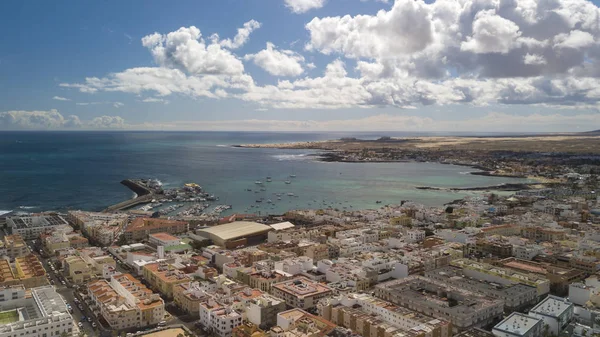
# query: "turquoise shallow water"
82,170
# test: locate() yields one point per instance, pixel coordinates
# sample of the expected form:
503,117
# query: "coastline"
392,150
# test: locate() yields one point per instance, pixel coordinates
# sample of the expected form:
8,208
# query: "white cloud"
534,59
54,120
445,52
242,36
278,62
405,29
107,122
161,81
576,39
114,104
492,34
59,98
155,100
186,50
303,6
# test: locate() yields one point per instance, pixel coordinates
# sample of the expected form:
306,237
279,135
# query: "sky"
301,65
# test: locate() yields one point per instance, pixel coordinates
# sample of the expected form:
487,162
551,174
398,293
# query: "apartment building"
560,278
491,273
126,303
14,246
40,312
555,312
26,270
189,295
544,233
464,309
519,325
515,296
164,277
371,317
30,227
103,228
77,270
300,292
219,318
163,239
140,228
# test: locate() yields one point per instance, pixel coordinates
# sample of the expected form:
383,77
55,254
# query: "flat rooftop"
552,306
518,324
36,221
234,230
164,237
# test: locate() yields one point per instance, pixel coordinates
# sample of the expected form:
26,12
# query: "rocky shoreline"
508,187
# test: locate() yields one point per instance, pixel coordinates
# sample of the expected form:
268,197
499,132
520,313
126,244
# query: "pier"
144,193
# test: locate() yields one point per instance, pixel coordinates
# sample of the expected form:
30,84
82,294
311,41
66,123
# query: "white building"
556,312
519,325
43,314
30,227
415,235
219,318
295,265
163,239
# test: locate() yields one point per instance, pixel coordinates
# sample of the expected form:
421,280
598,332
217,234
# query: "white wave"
134,195
465,172
27,207
222,145
2,212
287,157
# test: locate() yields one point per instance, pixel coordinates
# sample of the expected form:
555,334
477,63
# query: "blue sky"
451,65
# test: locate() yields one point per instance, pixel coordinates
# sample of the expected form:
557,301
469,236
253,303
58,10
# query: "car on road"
94,325
89,319
63,282
80,325
82,319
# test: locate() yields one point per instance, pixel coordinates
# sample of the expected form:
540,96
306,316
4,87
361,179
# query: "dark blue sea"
82,170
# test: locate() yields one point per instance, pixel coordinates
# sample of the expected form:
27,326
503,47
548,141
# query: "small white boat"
288,182
292,176
258,182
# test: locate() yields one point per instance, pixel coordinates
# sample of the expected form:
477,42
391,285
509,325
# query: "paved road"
67,292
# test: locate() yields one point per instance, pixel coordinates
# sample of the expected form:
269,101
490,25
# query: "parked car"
80,325
89,319
94,325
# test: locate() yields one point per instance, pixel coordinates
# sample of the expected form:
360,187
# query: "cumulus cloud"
303,6
492,34
242,36
59,98
477,52
186,50
278,62
107,122
155,100
405,29
53,120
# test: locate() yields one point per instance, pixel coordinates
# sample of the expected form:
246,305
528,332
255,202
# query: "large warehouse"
238,233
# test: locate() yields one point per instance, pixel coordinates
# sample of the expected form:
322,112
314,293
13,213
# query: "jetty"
144,195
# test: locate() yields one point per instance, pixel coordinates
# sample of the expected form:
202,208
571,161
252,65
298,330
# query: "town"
521,264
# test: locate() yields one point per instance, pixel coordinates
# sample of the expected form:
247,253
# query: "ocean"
62,171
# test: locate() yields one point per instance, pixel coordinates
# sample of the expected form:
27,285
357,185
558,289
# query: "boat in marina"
269,179
258,182
288,182
292,176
